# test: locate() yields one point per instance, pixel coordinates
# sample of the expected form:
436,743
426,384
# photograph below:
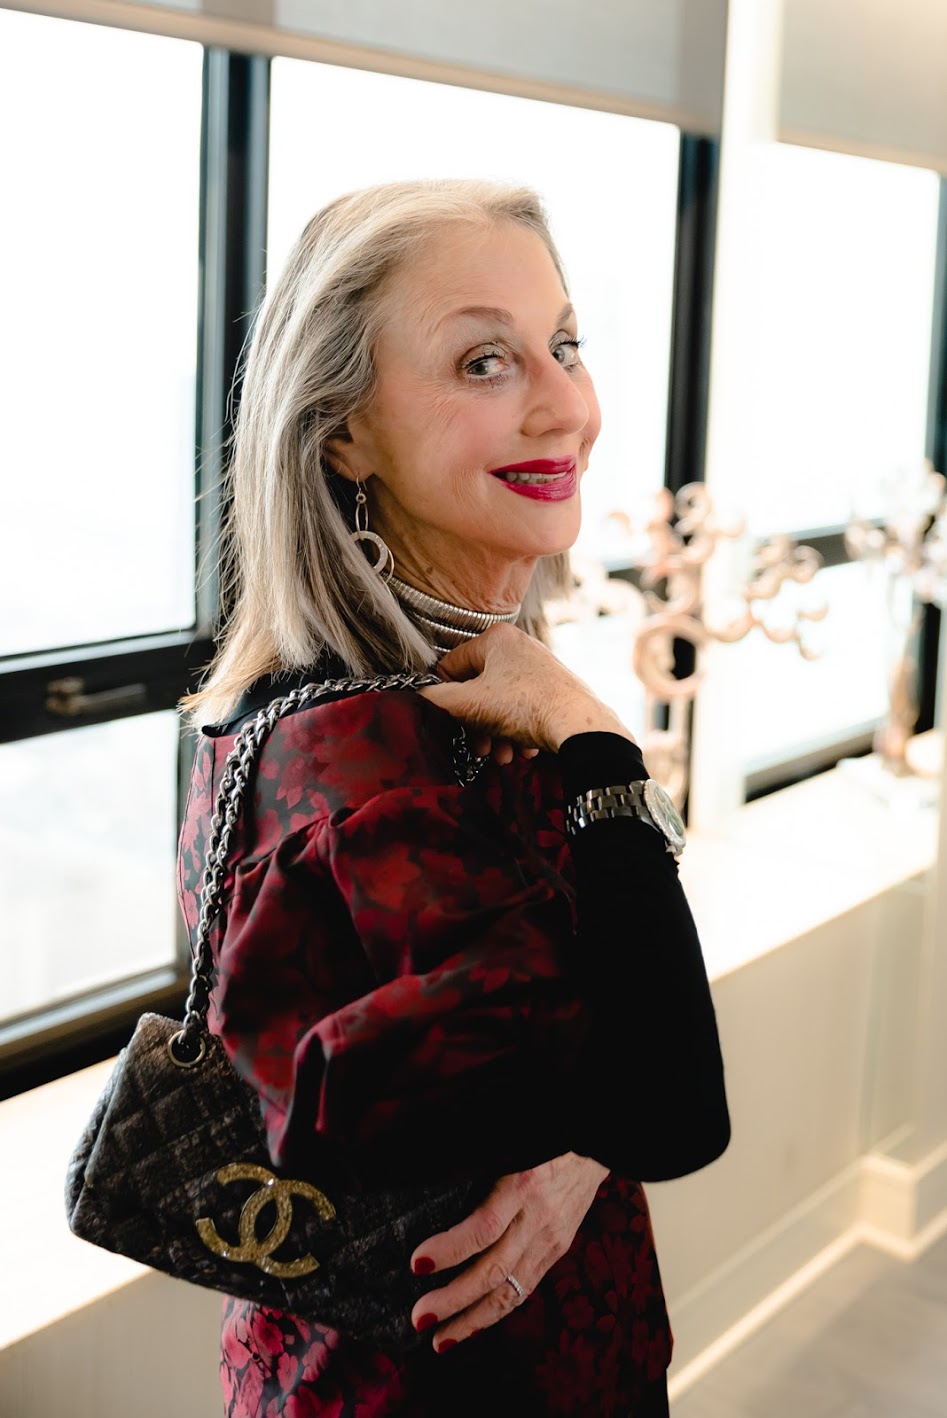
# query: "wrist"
583,719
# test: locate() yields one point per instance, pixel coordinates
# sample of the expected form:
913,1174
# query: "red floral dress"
392,938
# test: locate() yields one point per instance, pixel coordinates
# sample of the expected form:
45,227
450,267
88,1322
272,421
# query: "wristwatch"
645,799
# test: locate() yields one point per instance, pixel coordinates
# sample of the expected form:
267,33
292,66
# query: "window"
98,373
138,249
609,183
88,822
834,357
97,366
138,246
838,334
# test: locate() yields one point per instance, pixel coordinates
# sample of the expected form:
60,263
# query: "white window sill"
778,869
787,863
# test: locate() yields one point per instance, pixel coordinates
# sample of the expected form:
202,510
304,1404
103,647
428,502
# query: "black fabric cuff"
597,759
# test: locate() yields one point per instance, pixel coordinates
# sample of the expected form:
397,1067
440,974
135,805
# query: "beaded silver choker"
449,625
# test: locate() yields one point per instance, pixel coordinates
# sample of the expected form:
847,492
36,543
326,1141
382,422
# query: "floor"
867,1340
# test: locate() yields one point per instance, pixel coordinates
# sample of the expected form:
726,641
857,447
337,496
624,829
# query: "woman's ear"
338,454
346,455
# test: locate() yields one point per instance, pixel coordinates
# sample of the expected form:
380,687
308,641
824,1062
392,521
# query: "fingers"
484,744
464,661
451,695
478,1297
505,750
507,684
478,1232
525,1225
494,1241
450,1325
469,659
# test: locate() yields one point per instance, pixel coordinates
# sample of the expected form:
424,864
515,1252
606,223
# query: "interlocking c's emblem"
251,1249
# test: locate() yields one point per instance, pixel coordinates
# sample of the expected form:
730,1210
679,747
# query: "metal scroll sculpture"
678,541
910,546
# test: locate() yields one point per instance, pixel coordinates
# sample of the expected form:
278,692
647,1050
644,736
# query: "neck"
466,575
447,624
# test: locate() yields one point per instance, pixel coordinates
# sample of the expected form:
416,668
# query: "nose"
555,401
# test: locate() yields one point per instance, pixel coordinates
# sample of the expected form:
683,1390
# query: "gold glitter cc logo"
251,1249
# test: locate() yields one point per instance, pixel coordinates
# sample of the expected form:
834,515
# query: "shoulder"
342,752
382,737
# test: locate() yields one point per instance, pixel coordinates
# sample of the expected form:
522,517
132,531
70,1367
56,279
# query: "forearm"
651,1094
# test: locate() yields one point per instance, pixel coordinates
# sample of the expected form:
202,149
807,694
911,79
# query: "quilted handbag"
173,1167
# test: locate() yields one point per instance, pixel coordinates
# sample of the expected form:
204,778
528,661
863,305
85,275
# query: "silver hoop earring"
386,561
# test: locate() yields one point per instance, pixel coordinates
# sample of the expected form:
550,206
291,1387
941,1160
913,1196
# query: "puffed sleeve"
391,982
414,1005
463,1055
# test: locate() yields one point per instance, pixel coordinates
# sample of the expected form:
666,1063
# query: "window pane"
97,363
822,358
88,836
835,334
609,183
788,705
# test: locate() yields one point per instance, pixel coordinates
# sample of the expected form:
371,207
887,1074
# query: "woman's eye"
485,365
490,365
571,348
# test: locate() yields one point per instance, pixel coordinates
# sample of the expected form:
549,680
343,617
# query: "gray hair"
295,580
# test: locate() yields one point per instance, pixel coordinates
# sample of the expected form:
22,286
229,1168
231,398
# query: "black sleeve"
650,1090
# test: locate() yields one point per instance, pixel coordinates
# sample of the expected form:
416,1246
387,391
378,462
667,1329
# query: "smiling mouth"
540,470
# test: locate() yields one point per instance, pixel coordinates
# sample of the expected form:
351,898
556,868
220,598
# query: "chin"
551,548
566,536
554,534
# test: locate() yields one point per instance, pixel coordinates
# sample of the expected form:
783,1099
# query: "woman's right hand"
507,686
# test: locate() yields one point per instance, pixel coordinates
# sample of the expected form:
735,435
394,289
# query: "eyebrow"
494,312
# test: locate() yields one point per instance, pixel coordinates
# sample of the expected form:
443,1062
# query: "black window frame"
142,674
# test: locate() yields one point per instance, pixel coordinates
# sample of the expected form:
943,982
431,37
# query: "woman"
442,975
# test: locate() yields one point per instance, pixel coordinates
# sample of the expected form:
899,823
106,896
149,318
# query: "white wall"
147,1350
868,77
818,1043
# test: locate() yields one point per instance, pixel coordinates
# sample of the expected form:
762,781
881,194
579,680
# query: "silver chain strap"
233,785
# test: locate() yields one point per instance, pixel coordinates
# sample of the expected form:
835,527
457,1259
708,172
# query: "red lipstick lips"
538,465
561,472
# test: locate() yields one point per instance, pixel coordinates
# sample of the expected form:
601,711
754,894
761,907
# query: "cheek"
447,443
417,434
468,432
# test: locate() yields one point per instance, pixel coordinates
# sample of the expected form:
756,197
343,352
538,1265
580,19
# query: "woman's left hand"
523,1227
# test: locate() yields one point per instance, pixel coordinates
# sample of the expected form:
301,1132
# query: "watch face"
661,806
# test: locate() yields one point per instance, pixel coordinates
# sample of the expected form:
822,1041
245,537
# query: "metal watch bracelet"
625,800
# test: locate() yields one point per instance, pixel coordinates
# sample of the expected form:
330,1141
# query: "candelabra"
681,537
910,546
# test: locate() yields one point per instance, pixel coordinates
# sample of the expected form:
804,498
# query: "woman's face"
478,370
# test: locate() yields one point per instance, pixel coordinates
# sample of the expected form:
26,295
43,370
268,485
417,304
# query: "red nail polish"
423,1265
424,1322
446,1344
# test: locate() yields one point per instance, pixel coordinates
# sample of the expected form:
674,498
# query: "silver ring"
517,1286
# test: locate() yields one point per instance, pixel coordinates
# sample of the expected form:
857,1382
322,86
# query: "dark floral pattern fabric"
586,1344
392,976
